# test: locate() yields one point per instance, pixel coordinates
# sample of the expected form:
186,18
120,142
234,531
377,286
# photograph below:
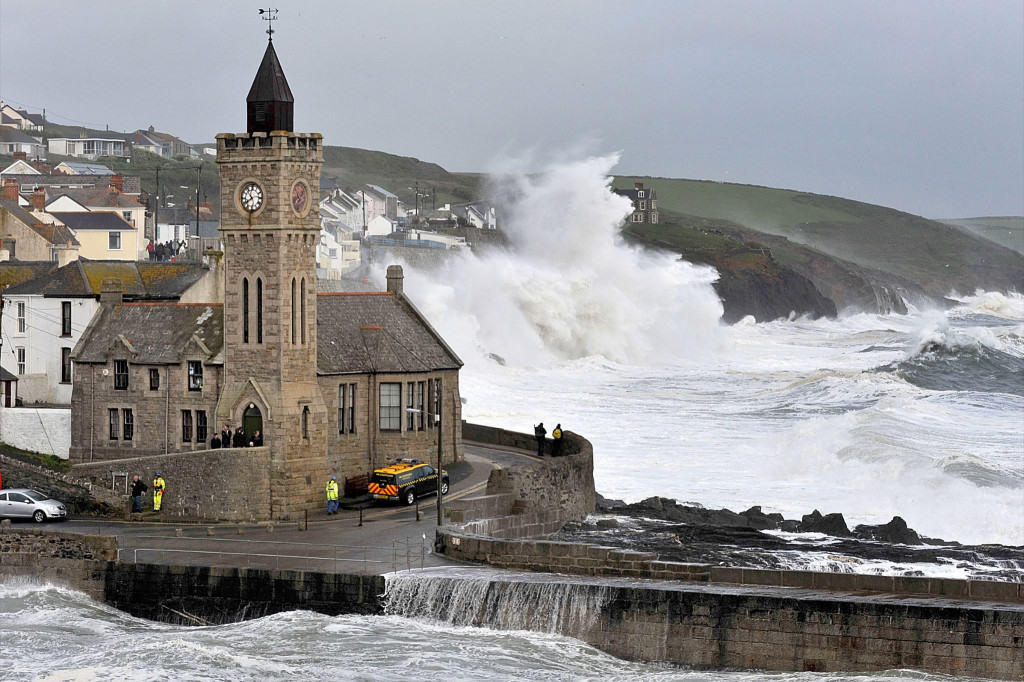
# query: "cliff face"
768,293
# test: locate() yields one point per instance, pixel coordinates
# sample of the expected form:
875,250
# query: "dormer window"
195,375
120,375
640,194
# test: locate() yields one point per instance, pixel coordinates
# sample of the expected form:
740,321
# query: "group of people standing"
139,488
539,432
236,439
170,250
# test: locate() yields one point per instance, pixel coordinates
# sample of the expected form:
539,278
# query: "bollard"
177,532
209,530
417,509
360,517
270,527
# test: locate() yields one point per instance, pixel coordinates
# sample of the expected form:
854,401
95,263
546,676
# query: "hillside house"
23,236
20,119
109,144
645,203
14,141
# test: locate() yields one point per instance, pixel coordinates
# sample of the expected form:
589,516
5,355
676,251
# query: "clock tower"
270,228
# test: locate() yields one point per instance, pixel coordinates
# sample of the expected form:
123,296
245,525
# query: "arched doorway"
252,420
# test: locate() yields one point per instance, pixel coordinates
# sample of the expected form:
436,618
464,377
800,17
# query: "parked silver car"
30,504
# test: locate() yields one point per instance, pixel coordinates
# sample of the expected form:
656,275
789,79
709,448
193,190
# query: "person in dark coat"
257,439
556,443
238,441
138,487
539,432
215,442
225,437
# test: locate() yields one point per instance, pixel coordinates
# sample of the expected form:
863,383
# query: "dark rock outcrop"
896,531
829,524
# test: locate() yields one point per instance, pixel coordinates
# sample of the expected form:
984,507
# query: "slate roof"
632,193
377,332
94,220
84,278
14,135
7,376
382,192
16,272
97,197
53,234
156,332
82,168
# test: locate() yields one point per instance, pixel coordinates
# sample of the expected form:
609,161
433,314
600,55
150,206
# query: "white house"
45,317
19,167
380,227
20,118
341,209
13,141
110,144
81,168
334,257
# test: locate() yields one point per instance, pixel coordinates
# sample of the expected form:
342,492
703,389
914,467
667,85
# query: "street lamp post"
437,423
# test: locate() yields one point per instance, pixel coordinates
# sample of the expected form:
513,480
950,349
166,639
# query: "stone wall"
80,562
228,484
37,429
80,495
192,595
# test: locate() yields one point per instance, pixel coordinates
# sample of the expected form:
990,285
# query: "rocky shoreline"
691,533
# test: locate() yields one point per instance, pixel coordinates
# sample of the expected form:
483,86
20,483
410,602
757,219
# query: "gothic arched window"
245,310
305,422
302,299
295,312
259,310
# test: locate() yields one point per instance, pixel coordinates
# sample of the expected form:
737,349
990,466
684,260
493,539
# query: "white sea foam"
625,348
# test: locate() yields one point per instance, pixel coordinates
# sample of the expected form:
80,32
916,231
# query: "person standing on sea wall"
332,495
158,491
539,432
138,487
556,446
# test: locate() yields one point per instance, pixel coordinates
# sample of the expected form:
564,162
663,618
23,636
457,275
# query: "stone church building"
337,383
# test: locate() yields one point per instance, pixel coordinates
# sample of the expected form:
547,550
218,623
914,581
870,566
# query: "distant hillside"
1005,230
887,247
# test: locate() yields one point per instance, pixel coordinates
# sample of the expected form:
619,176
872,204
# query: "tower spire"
270,104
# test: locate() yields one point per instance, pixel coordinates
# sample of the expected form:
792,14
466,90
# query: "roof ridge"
354,293
168,303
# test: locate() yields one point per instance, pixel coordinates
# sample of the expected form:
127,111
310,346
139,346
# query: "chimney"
638,185
39,199
117,182
43,168
11,189
21,156
395,278
110,292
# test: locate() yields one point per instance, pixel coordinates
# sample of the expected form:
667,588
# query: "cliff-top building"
336,383
645,203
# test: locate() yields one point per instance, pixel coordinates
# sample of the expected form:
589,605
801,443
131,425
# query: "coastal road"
390,538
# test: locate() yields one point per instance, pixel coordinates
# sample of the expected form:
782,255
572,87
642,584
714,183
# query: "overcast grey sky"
915,104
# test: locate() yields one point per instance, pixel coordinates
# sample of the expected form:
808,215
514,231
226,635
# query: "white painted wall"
42,342
38,429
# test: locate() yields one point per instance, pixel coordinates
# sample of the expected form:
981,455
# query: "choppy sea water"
52,634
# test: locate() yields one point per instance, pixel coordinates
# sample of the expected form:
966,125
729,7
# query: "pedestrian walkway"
391,538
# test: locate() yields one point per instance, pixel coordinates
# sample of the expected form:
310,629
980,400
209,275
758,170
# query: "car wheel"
444,487
410,497
39,516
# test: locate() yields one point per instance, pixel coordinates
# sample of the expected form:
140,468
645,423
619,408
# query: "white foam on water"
625,348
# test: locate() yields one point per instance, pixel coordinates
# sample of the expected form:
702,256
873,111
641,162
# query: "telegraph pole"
199,179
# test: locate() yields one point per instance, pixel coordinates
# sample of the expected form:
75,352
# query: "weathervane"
269,15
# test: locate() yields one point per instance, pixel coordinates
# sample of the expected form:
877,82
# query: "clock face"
300,197
251,197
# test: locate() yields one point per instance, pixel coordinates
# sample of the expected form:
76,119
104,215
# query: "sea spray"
497,600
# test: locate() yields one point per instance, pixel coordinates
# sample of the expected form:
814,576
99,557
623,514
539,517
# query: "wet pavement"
391,538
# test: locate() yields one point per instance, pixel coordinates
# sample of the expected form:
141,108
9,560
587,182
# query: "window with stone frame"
201,426
65,318
195,375
65,365
128,418
351,408
305,421
245,310
154,379
410,400
390,407
259,310
120,375
20,353
115,423
421,416
186,426
342,397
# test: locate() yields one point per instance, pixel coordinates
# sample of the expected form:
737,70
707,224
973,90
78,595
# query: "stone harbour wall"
227,484
80,562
